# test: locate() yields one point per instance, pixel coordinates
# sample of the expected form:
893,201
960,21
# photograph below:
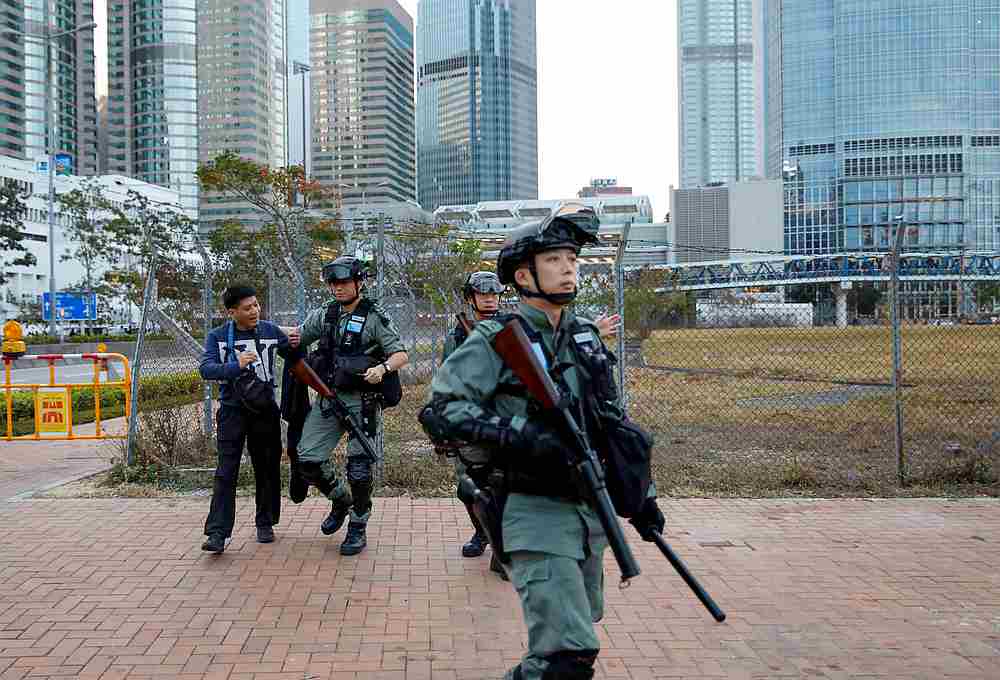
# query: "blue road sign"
71,306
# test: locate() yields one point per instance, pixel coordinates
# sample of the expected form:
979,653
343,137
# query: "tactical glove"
649,520
539,439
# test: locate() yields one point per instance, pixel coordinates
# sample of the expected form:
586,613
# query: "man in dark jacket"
245,343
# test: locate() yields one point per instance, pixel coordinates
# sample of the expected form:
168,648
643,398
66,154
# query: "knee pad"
576,664
312,473
359,470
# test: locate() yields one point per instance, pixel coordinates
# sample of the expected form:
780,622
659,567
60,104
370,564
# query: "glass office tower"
477,101
883,112
362,89
152,105
72,122
718,141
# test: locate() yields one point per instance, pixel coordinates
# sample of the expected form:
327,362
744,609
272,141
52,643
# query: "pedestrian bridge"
781,270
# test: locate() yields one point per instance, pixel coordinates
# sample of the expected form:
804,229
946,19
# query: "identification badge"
354,326
583,338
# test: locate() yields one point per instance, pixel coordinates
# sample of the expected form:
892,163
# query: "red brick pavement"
814,589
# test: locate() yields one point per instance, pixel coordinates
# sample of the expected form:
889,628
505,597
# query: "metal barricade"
53,401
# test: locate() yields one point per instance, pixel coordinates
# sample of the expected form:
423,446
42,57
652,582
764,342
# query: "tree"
12,213
288,202
96,236
649,302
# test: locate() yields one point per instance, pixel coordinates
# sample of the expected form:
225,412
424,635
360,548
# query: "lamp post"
47,38
298,68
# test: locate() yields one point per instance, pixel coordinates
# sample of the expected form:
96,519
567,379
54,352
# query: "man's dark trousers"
262,435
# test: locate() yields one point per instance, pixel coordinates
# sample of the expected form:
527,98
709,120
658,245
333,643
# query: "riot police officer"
359,346
552,540
481,291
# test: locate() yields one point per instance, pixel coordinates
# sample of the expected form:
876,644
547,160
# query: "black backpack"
254,394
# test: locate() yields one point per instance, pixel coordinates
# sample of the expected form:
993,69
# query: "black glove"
539,439
649,520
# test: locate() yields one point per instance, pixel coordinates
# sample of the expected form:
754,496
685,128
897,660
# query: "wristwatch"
386,367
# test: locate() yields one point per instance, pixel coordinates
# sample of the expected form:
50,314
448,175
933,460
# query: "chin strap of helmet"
561,299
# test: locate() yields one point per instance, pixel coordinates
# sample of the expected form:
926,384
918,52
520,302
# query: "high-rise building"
72,121
604,186
298,82
716,62
361,54
189,80
241,91
477,101
152,94
885,113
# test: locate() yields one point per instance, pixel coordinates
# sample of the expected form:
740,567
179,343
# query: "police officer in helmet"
553,542
481,291
359,346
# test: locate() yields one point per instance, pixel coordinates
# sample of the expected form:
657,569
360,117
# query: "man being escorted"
553,542
359,346
244,344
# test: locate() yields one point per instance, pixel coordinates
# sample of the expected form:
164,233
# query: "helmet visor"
336,271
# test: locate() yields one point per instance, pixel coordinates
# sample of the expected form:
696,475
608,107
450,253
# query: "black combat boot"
215,543
476,545
265,535
335,519
355,541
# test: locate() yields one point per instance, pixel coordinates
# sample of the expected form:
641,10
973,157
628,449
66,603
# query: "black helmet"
344,268
570,226
481,282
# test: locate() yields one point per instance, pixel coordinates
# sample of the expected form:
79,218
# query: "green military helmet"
344,268
571,225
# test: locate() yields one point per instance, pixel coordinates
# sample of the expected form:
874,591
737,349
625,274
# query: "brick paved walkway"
814,589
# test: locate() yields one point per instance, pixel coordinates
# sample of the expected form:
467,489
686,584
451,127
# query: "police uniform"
552,540
371,332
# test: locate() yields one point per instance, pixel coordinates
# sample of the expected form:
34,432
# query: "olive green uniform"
320,434
555,544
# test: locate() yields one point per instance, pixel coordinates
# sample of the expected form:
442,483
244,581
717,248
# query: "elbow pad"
493,431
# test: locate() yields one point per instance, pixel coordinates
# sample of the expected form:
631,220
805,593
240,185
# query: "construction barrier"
53,401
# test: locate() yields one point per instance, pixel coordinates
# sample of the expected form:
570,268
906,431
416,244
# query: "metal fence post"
148,297
897,350
620,304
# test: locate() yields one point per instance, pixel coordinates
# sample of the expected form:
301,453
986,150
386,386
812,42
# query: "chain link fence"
747,393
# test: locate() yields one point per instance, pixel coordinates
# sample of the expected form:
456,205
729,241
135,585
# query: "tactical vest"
344,360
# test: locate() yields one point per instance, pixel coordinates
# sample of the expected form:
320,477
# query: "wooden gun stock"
304,373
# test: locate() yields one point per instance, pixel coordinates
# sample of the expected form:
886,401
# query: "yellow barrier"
54,401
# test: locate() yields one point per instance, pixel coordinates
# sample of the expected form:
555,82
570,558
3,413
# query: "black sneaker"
335,519
214,544
265,535
355,541
476,545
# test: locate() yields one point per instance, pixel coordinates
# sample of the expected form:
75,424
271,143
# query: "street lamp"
47,38
298,68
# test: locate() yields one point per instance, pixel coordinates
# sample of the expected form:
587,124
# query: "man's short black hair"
234,295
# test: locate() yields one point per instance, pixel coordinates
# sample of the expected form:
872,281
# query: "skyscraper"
188,80
361,53
242,77
881,113
72,105
718,136
152,94
477,101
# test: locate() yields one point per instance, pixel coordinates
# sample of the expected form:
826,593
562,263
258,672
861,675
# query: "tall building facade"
477,101
361,54
885,112
152,103
718,108
72,107
242,80
298,82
